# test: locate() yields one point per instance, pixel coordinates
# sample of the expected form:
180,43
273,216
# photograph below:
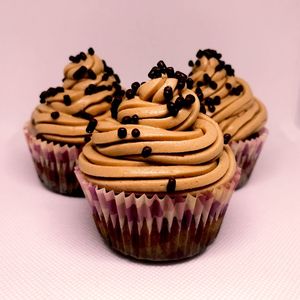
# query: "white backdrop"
49,246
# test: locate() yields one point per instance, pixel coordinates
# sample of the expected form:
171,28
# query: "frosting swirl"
169,146
150,106
226,98
66,112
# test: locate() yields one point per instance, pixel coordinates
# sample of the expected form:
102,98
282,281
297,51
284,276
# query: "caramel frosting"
68,114
225,97
158,143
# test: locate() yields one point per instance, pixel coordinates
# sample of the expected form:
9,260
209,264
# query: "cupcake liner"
246,154
158,228
55,164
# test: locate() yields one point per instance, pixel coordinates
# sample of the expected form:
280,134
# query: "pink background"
49,246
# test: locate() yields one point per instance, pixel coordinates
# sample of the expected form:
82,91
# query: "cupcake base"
157,228
54,165
182,241
246,154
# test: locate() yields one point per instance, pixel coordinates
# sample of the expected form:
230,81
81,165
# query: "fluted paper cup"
54,164
246,154
158,227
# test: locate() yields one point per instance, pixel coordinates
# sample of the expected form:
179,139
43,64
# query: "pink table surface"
49,246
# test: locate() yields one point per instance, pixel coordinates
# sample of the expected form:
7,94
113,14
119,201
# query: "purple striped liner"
158,228
54,164
246,154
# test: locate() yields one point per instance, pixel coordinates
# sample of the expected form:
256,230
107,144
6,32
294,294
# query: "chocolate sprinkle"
179,102
171,186
91,126
117,78
210,53
191,63
168,93
170,72
84,115
211,108
91,74
199,54
101,88
236,90
108,99
229,70
91,51
180,76
83,56
219,67
206,78
180,85
116,85
199,94
228,86
105,76
162,66
173,109
216,100
227,138
72,58
240,88
119,92
130,94
146,151
126,120
55,115
43,96
135,133
190,99
198,90
213,85
114,107
59,89
79,74
208,101
135,86
67,100
51,92
109,71
154,73
90,89
189,83
135,119
202,109
77,59
122,132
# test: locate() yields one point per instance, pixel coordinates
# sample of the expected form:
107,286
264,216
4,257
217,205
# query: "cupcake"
230,102
158,178
63,121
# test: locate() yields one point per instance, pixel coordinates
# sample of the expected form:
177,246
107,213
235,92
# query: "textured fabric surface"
50,247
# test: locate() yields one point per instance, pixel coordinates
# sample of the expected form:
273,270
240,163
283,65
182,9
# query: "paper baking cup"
158,228
55,165
246,154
